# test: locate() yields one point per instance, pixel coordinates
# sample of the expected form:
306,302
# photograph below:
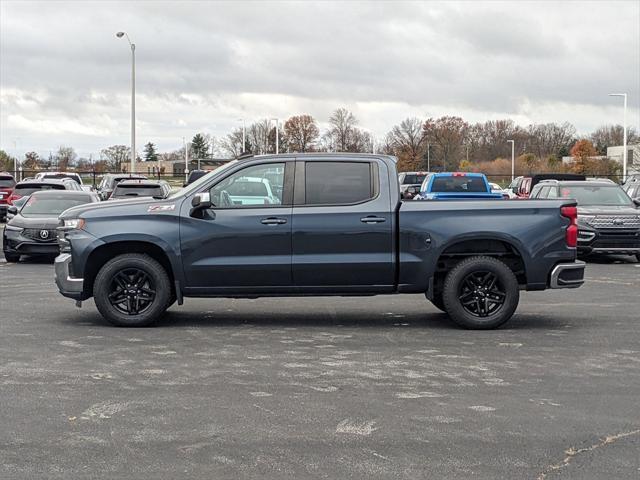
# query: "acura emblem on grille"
44,234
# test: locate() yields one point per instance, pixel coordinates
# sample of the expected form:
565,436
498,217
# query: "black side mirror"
200,201
12,210
637,201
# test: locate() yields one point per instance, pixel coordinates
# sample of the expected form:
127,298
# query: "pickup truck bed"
335,227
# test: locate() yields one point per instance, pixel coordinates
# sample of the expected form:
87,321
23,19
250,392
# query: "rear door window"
337,183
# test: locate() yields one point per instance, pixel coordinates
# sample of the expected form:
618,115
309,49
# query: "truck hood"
117,207
608,210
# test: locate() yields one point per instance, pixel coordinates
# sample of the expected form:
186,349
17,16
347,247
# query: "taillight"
572,230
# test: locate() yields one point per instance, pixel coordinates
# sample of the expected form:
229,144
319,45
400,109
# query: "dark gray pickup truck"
314,224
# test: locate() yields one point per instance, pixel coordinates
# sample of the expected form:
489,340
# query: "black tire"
12,257
638,257
481,293
132,290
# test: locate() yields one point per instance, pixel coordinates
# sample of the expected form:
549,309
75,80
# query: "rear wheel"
481,293
132,290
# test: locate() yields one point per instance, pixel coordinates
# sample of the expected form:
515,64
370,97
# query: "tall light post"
277,137
133,100
624,135
513,159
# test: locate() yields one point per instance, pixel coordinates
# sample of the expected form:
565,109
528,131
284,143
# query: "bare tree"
551,139
115,155
65,156
407,141
610,136
342,125
232,143
301,133
447,134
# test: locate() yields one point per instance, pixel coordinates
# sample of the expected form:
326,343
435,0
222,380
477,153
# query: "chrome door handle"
372,219
273,221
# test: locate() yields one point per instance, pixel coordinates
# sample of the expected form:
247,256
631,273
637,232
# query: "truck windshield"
596,195
458,184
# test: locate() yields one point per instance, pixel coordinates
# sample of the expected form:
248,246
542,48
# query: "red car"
7,182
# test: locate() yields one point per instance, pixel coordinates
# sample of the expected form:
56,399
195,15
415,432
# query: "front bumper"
567,275
622,241
68,285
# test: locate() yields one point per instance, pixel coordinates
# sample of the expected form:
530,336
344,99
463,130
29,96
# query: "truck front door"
244,239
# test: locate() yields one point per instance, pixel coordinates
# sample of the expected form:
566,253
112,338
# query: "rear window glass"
412,179
458,184
335,183
7,182
137,191
28,189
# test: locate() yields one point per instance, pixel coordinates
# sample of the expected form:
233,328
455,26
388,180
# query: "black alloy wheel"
481,294
132,291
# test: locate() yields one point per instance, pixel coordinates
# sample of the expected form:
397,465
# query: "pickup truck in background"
335,225
455,186
410,183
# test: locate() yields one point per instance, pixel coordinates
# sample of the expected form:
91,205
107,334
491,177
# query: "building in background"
633,157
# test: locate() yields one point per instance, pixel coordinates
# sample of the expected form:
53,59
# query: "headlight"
76,223
586,218
13,229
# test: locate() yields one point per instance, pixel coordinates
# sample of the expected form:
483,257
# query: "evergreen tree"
150,154
199,146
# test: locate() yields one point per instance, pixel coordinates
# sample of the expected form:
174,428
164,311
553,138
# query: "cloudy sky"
65,77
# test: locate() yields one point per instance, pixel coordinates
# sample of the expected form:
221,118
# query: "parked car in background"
608,220
633,189
27,187
7,183
194,175
32,230
525,185
410,183
339,228
456,185
495,188
140,188
110,180
60,175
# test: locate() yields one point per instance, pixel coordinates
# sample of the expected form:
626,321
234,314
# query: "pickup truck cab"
336,226
457,185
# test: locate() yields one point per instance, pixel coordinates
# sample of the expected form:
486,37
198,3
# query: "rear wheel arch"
506,251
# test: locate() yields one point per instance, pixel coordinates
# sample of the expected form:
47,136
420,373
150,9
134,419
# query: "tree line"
444,143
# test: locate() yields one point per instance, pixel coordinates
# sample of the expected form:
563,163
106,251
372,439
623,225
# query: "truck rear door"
342,232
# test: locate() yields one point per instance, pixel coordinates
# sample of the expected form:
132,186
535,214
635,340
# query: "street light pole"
133,100
428,157
624,135
277,137
513,159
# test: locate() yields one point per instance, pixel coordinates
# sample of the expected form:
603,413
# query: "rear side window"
337,183
458,184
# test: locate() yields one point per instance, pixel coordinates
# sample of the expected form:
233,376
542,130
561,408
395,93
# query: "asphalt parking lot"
375,388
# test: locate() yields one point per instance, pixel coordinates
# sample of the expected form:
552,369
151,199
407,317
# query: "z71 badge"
161,208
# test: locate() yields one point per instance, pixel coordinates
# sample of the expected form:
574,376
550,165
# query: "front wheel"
132,290
12,257
481,293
